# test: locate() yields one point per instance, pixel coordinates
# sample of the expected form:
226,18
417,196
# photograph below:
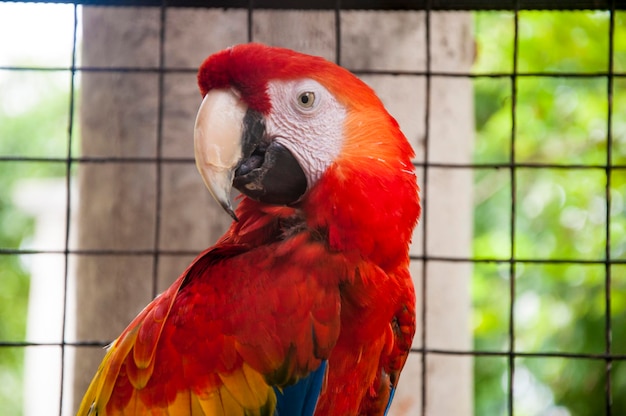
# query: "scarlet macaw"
305,306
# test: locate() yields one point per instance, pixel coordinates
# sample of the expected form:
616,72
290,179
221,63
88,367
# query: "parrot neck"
372,211
370,214
260,223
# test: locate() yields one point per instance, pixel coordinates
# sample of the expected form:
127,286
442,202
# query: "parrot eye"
306,99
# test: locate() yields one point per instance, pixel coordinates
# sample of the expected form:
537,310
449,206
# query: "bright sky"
36,34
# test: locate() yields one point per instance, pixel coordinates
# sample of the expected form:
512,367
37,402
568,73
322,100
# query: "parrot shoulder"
195,346
140,338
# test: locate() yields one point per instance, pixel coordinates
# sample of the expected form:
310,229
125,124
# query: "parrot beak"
233,151
217,142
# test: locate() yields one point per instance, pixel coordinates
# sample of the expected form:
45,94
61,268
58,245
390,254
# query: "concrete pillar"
449,218
118,209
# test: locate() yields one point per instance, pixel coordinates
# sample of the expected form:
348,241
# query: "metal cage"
604,172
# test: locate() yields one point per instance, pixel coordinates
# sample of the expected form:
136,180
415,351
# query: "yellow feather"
229,404
182,405
99,391
140,376
247,387
212,405
195,406
156,411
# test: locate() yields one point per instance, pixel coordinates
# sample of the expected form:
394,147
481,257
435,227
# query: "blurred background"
550,213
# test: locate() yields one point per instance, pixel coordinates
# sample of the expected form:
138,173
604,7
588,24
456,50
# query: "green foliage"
559,213
33,122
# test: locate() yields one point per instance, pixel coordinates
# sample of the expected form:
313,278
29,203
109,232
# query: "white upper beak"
217,142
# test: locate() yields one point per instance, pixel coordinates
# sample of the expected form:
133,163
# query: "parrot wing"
222,339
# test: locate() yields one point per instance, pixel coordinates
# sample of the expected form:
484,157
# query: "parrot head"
266,126
289,129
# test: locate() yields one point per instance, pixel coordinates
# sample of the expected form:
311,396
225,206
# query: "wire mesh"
515,167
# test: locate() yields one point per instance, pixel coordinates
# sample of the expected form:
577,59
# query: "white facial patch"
308,120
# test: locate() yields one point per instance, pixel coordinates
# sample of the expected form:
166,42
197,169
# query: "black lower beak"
267,172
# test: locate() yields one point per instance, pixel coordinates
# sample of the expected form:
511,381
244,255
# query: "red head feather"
249,67
373,177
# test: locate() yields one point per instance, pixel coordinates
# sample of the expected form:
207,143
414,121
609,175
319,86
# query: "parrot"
305,306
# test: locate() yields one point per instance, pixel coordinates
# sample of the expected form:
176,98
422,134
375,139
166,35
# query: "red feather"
285,287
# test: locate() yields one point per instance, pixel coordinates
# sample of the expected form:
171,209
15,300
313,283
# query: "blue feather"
391,393
301,398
